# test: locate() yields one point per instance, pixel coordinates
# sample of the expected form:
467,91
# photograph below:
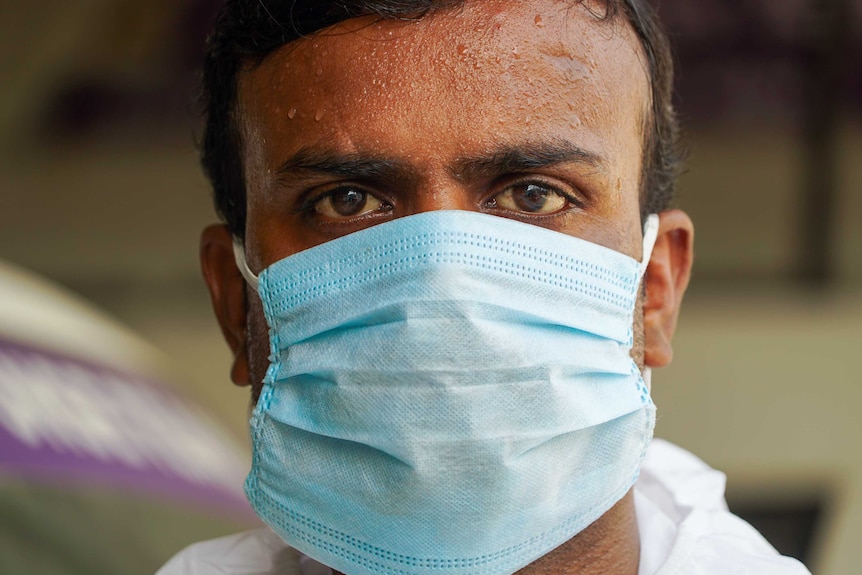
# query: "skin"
491,107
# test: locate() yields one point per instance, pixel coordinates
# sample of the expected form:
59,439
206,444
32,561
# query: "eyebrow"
506,159
522,158
343,165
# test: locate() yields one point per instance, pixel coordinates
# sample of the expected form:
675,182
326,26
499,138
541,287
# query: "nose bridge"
443,192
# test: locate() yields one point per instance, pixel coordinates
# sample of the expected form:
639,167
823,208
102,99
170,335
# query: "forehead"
487,69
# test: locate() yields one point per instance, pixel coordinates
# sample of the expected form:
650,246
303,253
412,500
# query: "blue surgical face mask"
449,393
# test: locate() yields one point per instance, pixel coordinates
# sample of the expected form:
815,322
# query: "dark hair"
246,31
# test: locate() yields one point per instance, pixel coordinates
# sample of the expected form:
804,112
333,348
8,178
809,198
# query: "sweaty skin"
528,110
457,84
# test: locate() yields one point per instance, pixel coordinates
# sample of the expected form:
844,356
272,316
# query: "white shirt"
684,523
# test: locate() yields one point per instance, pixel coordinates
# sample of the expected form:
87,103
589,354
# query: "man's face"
528,110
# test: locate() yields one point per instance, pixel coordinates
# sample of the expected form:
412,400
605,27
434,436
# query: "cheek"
637,351
258,345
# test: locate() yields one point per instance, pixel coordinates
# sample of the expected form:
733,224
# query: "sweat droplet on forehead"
447,61
456,83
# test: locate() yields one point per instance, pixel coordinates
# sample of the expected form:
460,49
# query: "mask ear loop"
242,264
650,237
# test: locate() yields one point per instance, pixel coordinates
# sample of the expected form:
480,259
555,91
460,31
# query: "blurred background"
100,191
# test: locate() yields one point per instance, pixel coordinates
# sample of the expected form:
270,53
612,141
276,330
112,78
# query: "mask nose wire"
650,236
242,264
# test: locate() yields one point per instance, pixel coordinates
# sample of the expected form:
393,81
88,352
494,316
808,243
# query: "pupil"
348,202
532,199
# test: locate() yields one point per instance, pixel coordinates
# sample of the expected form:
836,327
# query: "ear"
666,280
227,292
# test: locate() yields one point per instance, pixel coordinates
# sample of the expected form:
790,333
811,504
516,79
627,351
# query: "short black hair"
247,31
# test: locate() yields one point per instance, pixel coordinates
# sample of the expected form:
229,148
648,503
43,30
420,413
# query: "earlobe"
666,280
227,293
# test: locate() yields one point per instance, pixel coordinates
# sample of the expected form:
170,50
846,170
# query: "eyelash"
499,189
311,199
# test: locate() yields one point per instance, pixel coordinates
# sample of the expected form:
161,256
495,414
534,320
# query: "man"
441,261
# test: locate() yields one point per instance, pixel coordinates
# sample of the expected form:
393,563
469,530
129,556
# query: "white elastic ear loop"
650,236
239,257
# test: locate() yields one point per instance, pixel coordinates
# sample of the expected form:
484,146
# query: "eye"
531,198
347,202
